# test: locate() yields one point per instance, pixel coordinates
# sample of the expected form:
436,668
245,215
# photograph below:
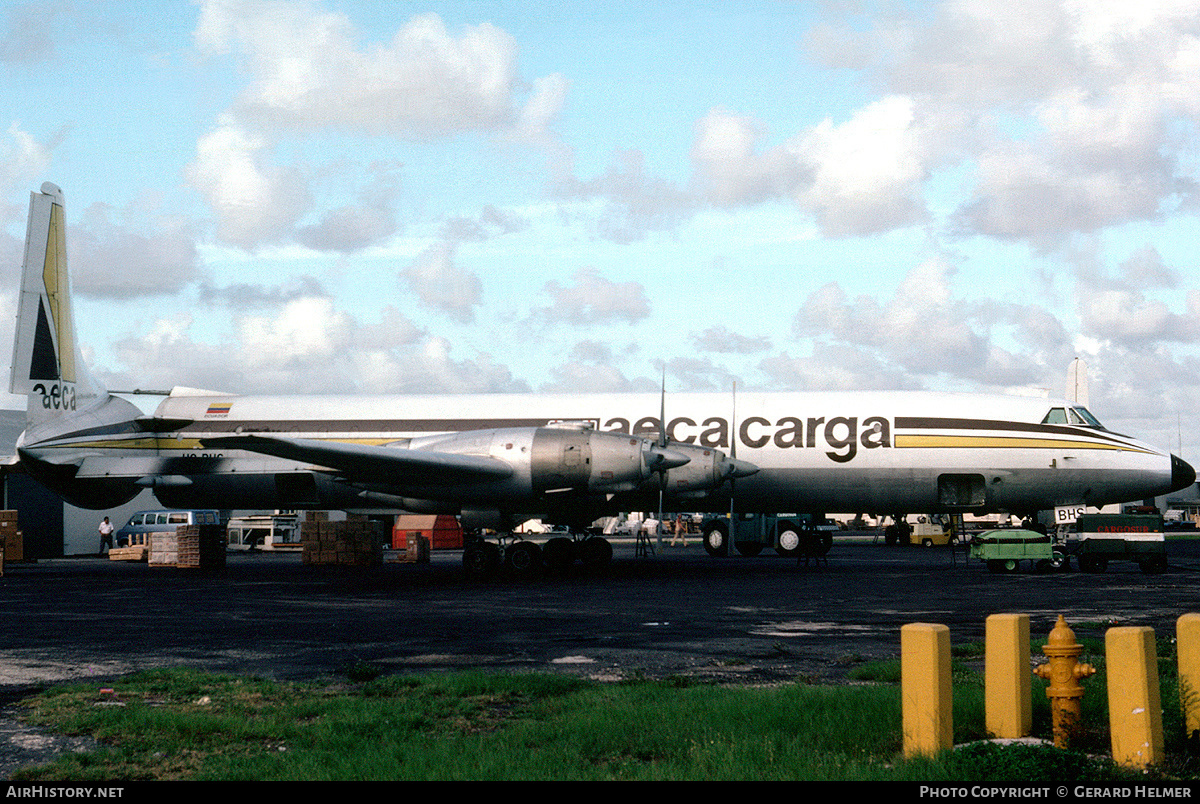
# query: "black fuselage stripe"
932,423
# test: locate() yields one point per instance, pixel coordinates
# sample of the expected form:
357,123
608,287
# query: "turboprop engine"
576,457
706,470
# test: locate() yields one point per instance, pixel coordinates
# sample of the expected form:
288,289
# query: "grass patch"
180,724
887,671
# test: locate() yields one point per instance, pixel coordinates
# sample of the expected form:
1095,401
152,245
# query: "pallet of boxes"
138,548
189,546
201,546
12,543
355,541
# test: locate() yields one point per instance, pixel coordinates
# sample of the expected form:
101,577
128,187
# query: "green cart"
1004,550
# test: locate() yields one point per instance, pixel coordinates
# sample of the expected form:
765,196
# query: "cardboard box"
201,546
136,553
416,550
352,542
164,549
13,543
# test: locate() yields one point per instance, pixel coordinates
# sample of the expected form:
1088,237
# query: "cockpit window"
1055,416
1078,416
1088,419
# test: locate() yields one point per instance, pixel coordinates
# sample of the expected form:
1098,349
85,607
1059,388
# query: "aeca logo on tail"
52,364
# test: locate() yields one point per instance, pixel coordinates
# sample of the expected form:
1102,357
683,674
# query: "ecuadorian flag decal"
218,410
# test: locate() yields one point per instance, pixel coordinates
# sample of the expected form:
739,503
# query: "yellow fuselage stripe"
1003,442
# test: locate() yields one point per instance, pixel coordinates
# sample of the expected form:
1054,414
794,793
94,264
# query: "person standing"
106,535
680,533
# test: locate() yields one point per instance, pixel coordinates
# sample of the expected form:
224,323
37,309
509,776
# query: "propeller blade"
734,461
662,411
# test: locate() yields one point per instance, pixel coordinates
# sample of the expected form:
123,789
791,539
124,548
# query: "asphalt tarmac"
759,620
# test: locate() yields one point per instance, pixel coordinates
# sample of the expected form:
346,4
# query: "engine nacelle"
577,457
563,457
706,470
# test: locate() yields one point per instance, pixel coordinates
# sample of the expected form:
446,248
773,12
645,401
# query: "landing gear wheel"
595,552
787,539
716,539
481,561
523,558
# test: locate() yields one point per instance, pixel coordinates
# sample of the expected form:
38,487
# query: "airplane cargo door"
961,491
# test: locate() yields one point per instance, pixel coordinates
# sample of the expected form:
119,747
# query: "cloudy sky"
474,196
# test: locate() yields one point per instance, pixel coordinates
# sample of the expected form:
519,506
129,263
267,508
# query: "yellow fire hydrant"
1063,671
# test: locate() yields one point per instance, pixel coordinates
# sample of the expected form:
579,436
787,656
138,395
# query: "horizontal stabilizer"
158,424
365,461
112,466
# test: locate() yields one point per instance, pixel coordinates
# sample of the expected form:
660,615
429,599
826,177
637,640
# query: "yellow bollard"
1134,705
1008,708
1063,671
925,689
1187,632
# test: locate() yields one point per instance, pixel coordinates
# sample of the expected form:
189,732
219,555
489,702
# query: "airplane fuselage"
854,451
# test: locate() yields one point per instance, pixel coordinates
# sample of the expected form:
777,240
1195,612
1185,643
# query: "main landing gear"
514,555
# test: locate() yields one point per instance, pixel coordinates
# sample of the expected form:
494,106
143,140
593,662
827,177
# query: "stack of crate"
201,546
12,544
137,549
416,549
164,548
355,542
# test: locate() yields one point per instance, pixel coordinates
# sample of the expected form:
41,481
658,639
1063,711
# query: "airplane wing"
365,460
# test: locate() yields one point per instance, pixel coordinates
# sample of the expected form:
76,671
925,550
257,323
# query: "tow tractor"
790,534
1116,537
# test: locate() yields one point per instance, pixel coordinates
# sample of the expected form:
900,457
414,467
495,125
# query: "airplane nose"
1182,473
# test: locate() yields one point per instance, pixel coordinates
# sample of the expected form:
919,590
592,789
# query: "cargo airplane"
495,460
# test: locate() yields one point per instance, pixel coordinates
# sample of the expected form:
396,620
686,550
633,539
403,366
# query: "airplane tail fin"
47,365
1077,382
